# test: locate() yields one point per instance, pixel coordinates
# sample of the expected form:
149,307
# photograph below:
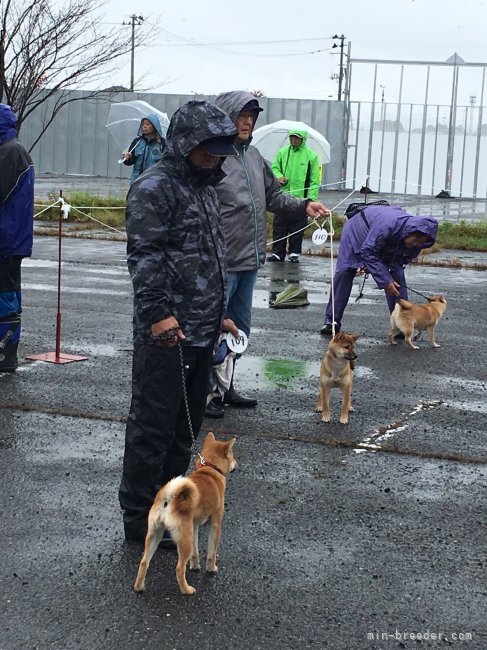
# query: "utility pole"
134,22
342,70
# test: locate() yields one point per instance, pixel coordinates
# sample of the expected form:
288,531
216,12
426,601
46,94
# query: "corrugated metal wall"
77,142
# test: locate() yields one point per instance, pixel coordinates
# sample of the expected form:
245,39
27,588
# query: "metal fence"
420,148
78,142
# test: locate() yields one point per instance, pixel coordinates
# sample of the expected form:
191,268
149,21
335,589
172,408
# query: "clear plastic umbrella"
124,121
270,138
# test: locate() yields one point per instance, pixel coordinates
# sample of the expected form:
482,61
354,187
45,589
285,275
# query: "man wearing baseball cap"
248,189
176,259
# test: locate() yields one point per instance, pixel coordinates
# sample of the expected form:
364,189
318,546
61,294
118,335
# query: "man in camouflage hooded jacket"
176,258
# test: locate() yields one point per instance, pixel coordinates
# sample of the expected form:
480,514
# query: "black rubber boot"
215,408
238,401
9,342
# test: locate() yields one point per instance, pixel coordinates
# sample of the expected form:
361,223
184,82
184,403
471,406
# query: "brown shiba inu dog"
336,372
407,315
184,504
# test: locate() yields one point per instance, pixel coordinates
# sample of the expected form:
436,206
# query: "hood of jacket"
193,123
302,134
425,225
233,102
8,120
154,120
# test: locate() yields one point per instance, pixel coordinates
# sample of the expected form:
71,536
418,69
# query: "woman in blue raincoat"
16,225
147,147
381,239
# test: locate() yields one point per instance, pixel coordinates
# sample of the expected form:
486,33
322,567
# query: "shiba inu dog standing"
184,504
336,372
407,315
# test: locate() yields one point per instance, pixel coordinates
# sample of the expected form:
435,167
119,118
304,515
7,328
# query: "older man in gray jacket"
247,191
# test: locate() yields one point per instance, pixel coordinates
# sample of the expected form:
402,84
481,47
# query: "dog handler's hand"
229,326
168,326
392,289
317,209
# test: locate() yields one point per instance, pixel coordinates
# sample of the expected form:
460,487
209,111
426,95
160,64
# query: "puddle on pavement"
96,349
66,266
52,287
473,407
264,374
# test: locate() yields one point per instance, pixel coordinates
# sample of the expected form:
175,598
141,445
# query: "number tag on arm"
238,343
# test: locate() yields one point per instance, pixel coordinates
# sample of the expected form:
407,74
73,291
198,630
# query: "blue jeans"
240,288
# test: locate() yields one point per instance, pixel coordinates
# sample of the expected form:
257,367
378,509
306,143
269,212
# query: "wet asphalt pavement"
346,537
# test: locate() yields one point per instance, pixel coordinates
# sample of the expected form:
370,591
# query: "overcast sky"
284,47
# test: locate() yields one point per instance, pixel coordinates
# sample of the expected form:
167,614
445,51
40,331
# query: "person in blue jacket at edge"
16,232
147,147
380,239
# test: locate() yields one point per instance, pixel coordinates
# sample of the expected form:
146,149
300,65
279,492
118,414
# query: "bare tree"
47,50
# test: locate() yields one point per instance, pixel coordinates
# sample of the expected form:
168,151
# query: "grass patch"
468,236
462,235
109,210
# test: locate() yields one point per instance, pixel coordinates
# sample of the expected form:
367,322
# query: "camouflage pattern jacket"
175,244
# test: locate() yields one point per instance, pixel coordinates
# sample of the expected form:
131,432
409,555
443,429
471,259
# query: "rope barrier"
87,207
97,221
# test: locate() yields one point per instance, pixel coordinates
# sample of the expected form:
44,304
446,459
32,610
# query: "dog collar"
204,463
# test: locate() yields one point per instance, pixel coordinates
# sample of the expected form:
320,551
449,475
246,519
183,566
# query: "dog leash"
361,292
186,405
414,291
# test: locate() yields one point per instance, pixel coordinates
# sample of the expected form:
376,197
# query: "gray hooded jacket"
247,191
175,244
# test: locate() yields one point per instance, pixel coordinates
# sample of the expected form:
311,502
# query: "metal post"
479,135
423,133
372,115
451,129
346,122
58,313
396,138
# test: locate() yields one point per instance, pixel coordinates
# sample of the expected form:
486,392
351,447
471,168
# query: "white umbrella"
270,138
124,121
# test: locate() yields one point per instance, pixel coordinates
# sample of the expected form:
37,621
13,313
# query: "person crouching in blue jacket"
147,147
16,228
380,239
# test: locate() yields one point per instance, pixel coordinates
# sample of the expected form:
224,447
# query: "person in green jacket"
297,169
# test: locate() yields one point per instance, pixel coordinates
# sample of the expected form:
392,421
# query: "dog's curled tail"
405,304
179,495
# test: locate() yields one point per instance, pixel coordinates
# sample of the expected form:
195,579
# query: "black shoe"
274,258
238,401
215,408
327,330
294,258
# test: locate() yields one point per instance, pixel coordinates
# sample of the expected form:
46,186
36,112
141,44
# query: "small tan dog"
407,315
184,504
336,372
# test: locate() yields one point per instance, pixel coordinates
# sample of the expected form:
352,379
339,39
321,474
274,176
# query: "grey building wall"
77,142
